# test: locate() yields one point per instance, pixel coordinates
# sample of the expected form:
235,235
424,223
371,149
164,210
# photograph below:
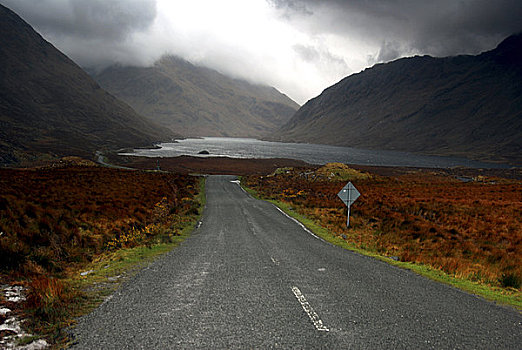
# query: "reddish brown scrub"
469,229
52,219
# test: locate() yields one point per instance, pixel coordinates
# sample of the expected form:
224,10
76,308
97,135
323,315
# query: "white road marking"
237,182
275,261
300,224
309,310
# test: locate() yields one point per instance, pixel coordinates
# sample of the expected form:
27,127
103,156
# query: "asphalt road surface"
250,277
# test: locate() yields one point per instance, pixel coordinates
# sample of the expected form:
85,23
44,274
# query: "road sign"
348,195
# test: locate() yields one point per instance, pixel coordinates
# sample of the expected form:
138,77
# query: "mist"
299,47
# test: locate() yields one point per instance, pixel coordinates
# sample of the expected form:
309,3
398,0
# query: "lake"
311,153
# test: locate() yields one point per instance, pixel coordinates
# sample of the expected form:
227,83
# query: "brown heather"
470,230
55,221
52,219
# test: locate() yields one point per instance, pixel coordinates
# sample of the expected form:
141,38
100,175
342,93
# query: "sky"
300,47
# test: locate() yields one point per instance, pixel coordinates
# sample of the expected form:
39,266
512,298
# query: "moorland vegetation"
56,221
470,230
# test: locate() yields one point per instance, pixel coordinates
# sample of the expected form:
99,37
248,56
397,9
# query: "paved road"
250,277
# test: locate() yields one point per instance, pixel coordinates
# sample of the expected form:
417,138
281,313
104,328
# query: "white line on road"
309,311
237,182
300,224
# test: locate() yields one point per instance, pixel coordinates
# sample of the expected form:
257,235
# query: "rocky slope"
462,106
197,101
50,107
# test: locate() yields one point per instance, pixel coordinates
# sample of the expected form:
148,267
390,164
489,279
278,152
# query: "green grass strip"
509,297
128,260
107,272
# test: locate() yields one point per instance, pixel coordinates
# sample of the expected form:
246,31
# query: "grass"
52,219
106,223
108,271
126,261
283,190
111,269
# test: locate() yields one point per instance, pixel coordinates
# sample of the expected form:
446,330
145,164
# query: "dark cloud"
94,33
111,20
298,46
439,28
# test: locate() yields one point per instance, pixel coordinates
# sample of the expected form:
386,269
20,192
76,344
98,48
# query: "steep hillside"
464,105
197,101
49,106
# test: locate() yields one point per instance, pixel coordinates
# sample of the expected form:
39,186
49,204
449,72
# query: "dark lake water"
315,154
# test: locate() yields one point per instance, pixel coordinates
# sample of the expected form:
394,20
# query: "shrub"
510,280
54,217
48,298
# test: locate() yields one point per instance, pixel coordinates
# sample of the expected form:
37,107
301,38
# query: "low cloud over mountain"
298,46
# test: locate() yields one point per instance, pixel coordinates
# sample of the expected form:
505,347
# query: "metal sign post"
348,195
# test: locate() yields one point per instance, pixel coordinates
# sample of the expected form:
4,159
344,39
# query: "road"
101,159
250,277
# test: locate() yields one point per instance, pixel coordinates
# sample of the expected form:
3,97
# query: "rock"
36,345
114,278
204,152
14,293
11,324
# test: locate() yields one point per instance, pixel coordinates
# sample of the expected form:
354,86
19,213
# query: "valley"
145,203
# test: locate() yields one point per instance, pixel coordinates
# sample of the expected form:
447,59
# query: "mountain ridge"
50,107
463,105
196,100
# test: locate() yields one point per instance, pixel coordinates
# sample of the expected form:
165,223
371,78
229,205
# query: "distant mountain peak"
198,101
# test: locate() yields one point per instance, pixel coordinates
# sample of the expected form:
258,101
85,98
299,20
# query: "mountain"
464,105
198,101
50,107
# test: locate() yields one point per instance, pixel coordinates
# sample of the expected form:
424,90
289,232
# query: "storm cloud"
300,47
93,33
404,27
92,19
